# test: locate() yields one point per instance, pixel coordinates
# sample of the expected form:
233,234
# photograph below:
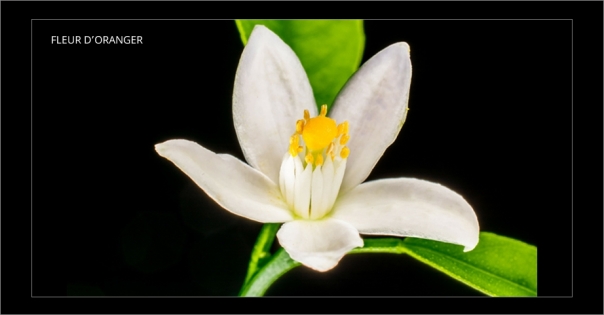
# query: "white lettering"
65,40
108,40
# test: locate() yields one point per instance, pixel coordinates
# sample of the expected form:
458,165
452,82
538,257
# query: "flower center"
312,169
319,132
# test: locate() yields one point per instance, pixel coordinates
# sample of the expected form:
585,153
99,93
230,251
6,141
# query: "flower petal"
318,244
271,93
374,101
233,184
409,207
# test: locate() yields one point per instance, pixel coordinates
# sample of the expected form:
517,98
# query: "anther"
299,126
293,145
309,158
306,115
319,160
344,152
343,128
293,151
344,139
323,110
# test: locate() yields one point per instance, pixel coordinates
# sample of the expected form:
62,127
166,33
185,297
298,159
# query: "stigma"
313,166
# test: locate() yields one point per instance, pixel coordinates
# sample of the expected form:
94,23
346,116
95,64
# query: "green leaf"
498,266
330,51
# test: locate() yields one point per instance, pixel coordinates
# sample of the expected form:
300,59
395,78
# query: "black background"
491,118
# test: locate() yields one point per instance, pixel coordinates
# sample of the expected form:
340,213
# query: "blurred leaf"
498,266
330,50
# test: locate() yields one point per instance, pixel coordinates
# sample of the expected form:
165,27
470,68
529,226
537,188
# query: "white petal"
283,175
374,101
328,189
302,189
233,184
271,93
316,198
339,168
409,207
288,174
318,244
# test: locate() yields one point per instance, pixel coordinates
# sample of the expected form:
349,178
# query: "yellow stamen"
319,160
309,158
323,110
293,145
343,128
344,152
344,139
322,136
299,126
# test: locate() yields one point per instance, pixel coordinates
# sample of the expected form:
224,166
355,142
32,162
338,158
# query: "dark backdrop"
490,118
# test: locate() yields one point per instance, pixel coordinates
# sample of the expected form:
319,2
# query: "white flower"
306,170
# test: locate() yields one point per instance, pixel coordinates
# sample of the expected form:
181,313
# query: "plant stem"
279,264
381,245
261,252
